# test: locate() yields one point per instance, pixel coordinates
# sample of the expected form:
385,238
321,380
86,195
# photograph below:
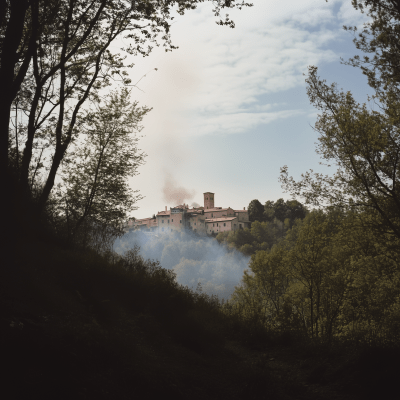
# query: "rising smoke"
174,194
194,259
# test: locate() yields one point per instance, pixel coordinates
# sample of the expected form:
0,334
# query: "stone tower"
208,200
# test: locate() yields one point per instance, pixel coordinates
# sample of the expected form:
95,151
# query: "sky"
230,106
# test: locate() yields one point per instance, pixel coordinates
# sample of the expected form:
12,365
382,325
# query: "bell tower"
208,200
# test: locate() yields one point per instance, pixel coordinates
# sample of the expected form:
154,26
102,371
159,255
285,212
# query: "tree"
280,210
256,211
295,210
260,296
63,48
269,211
379,37
363,143
19,28
96,171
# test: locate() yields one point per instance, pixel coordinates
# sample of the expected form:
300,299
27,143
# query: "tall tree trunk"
58,156
10,79
27,153
12,40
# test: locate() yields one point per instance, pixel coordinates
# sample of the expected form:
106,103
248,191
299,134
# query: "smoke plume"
174,194
194,259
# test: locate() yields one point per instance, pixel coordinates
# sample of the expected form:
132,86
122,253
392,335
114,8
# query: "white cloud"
219,71
240,122
350,16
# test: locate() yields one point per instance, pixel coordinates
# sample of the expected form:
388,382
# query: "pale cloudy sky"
230,105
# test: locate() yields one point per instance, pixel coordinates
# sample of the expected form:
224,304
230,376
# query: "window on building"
168,221
224,224
162,221
217,223
213,225
180,221
195,223
172,220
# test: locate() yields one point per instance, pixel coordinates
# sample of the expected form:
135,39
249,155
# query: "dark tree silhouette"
256,211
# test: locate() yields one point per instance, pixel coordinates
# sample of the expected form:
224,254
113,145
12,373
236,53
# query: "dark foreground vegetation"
79,325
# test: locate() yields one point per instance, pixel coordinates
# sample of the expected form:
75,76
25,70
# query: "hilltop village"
208,220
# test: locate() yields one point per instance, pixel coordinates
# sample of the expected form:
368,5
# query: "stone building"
202,220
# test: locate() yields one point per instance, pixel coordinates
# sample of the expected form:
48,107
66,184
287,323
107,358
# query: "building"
202,220
145,223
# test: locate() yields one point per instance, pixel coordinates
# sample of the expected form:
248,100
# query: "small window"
162,221
195,223
172,220
180,221
224,224
213,224
217,223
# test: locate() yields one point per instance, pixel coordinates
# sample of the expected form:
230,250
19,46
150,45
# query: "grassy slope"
74,327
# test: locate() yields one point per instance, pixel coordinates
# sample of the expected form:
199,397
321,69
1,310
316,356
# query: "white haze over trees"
194,259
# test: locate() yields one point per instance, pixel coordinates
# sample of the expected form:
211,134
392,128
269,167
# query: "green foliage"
327,279
342,263
255,210
266,229
282,210
365,145
95,189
